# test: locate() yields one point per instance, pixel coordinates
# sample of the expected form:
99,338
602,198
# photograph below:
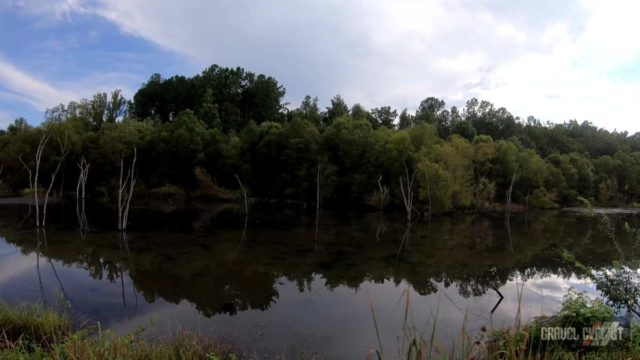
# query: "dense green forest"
226,122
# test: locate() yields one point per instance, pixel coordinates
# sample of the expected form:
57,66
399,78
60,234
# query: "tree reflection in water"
209,269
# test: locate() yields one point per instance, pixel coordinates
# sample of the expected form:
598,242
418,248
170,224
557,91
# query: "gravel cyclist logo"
599,334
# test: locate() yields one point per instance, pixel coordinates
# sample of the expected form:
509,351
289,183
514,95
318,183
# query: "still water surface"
282,285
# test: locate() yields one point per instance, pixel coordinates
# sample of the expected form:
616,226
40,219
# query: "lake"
285,282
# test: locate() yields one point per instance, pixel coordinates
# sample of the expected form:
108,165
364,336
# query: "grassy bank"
530,340
534,340
32,332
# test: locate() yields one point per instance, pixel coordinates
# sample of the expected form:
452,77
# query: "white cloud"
576,76
60,9
554,60
370,51
18,85
12,266
26,88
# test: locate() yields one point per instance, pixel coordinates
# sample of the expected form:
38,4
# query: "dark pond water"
286,285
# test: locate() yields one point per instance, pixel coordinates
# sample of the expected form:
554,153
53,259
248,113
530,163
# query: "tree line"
227,124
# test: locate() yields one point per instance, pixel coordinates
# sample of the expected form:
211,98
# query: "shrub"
28,192
31,325
541,199
168,192
579,311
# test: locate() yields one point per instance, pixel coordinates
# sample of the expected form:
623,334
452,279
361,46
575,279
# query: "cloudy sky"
556,60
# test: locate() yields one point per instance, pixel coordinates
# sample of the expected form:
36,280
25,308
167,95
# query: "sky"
555,60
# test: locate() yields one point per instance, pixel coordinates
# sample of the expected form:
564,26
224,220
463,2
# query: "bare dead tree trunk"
43,142
53,268
124,194
120,190
83,165
244,194
63,153
407,195
132,183
405,243
513,180
384,191
124,243
28,172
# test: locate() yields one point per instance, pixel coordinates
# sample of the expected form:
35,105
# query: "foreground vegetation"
32,332
613,317
619,286
202,135
522,341
577,311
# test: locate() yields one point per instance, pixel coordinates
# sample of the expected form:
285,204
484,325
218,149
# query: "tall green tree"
337,109
384,116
